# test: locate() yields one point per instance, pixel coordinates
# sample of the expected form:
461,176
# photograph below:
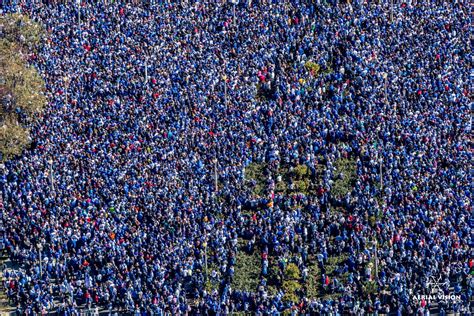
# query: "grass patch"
370,287
313,282
288,180
294,180
332,296
211,283
247,271
273,281
211,286
345,177
254,174
334,262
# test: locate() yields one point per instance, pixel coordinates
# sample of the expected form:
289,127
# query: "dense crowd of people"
135,182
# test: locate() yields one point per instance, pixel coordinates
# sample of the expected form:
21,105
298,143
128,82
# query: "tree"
13,138
21,87
18,28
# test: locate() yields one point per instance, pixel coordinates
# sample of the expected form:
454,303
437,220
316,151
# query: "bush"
290,297
291,287
301,171
302,186
292,272
312,67
281,187
372,221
